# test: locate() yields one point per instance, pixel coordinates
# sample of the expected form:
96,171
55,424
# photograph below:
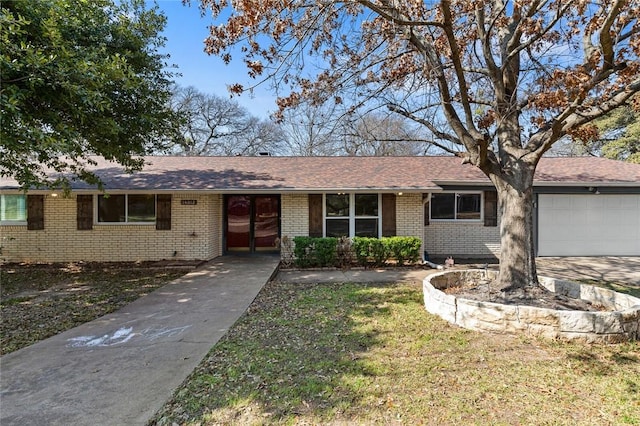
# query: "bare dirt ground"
40,300
484,290
615,273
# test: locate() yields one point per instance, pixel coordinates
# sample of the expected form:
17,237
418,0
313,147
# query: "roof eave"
587,183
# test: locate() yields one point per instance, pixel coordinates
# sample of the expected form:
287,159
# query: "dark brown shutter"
427,211
490,208
35,212
388,215
163,212
84,212
315,215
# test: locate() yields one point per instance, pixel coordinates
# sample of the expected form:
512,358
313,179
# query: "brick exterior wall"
409,215
216,221
462,240
294,215
196,233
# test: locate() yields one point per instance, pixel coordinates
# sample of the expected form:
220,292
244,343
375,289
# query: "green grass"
370,354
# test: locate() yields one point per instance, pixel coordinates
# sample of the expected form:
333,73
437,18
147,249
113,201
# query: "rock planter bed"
617,320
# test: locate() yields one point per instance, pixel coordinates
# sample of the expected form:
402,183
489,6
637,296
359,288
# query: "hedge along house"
202,207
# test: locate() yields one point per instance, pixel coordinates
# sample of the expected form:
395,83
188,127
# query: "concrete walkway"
355,275
622,269
121,368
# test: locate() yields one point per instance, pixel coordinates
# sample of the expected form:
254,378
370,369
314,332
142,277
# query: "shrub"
344,252
403,249
311,251
369,250
361,250
326,251
378,251
303,251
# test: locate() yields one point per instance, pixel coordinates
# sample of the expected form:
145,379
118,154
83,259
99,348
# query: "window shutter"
315,215
388,215
427,211
35,212
490,208
84,212
163,212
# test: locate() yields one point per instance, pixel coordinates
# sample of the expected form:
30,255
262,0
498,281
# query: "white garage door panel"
588,225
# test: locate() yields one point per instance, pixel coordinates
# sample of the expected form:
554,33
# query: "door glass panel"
265,225
238,222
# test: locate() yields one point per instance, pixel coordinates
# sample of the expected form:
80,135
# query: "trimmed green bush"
315,252
370,250
378,251
303,251
323,252
403,249
326,251
361,250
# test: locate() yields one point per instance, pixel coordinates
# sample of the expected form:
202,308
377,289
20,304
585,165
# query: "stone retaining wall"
620,322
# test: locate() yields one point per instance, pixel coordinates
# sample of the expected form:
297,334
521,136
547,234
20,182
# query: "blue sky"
185,33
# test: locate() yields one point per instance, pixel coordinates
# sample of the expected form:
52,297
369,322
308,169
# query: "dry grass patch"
38,301
370,354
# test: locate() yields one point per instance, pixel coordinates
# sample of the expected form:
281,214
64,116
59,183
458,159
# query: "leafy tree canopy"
616,135
622,136
79,78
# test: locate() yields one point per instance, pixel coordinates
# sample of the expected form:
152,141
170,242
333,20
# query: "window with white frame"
126,208
456,206
13,208
352,215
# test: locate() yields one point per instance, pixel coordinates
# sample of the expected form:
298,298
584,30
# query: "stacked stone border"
618,322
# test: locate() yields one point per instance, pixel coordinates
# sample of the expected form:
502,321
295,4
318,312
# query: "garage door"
588,225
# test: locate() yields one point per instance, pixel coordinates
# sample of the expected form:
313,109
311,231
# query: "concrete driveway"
624,269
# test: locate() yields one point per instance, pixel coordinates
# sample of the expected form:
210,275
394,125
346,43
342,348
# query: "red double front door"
252,222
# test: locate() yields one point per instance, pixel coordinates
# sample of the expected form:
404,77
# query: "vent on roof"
264,154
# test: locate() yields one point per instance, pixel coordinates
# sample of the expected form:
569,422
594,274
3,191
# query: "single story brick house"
189,208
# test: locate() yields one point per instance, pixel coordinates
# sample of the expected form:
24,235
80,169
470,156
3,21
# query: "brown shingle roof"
338,173
586,170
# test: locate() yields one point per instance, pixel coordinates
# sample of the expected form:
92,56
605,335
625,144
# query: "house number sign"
188,202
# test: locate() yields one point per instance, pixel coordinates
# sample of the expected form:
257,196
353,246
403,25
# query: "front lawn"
40,300
370,354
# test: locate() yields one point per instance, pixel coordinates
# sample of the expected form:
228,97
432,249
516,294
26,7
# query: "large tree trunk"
517,254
